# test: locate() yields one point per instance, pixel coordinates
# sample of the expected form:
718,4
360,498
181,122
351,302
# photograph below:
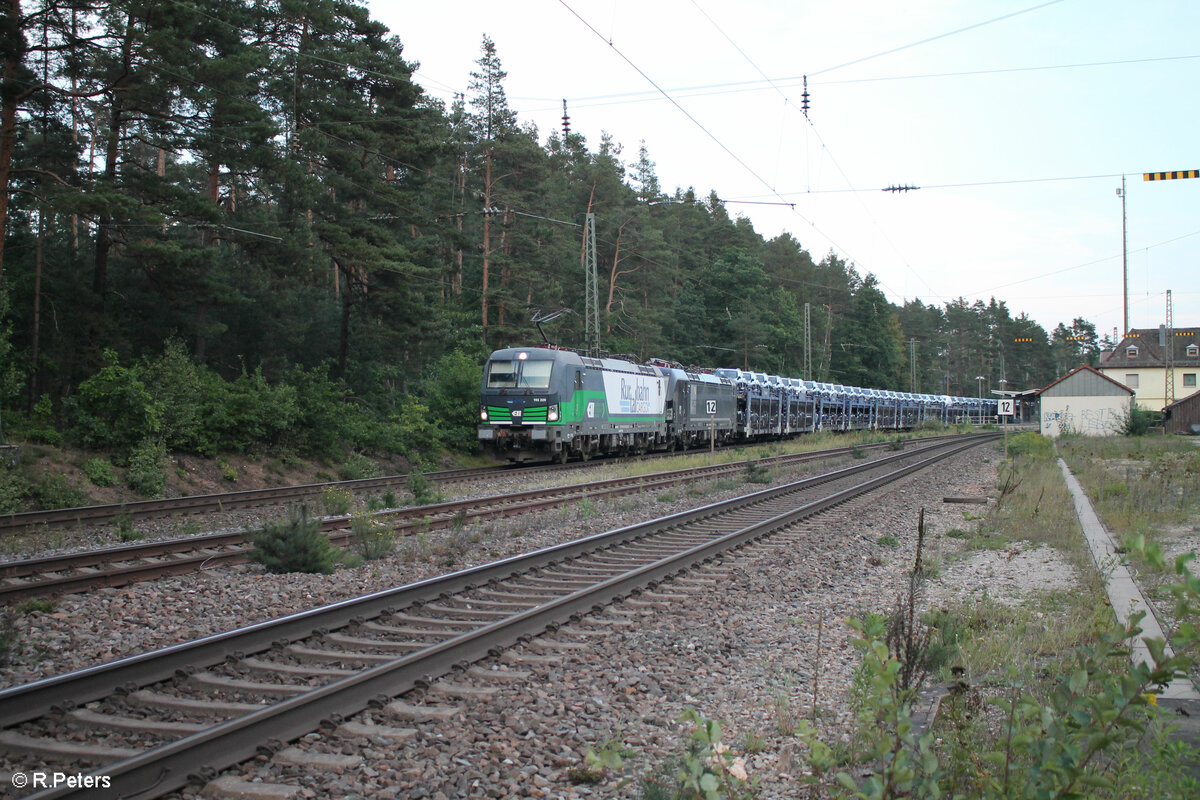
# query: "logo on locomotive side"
591,410
633,394
635,397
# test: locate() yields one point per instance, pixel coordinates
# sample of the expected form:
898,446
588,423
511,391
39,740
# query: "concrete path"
1123,592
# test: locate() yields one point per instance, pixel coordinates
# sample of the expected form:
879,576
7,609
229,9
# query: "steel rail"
174,765
19,579
15,522
223,501
32,700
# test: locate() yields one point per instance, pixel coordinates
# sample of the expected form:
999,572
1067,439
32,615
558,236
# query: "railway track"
121,565
164,719
11,524
16,523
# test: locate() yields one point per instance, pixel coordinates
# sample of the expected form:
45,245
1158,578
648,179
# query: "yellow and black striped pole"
1171,176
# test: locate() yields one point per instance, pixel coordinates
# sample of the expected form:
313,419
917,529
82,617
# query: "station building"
1084,401
1140,362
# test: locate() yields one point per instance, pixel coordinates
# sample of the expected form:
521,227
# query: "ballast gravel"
737,642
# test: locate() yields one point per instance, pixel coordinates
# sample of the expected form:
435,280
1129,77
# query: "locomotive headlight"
552,414
483,417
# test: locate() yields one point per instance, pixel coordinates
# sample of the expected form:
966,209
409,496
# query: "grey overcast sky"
1016,118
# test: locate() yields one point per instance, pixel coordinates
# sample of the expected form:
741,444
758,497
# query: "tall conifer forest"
232,225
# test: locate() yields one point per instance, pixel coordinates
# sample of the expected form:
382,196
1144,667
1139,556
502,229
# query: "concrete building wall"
1151,391
1090,416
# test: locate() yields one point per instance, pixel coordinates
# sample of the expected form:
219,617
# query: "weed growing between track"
1041,698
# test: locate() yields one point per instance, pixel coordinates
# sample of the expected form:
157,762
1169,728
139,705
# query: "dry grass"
1139,485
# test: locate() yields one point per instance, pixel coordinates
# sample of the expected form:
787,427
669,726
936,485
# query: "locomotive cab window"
535,374
502,374
510,374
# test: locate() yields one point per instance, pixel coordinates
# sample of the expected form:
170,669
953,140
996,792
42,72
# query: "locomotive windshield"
513,374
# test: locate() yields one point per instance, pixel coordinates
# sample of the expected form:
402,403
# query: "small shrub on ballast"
757,472
295,544
418,485
336,502
372,539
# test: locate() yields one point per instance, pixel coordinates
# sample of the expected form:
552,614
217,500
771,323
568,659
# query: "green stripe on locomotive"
573,410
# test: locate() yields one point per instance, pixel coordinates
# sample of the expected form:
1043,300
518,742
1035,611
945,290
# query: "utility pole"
591,300
1169,354
912,365
828,358
1124,259
808,342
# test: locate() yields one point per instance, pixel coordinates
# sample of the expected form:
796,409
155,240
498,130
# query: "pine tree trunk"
344,328
104,229
487,237
14,49
35,329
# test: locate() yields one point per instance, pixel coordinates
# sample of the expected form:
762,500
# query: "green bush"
12,373
1086,736
147,468
418,436
54,491
335,501
1136,421
707,770
418,485
373,540
41,426
248,412
228,471
452,396
1030,444
113,409
179,387
125,530
99,472
357,466
14,492
326,422
757,472
294,545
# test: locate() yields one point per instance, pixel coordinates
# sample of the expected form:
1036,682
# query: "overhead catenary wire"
671,99
934,38
804,109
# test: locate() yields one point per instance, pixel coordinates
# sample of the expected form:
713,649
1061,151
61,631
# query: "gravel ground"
85,629
738,643
1007,576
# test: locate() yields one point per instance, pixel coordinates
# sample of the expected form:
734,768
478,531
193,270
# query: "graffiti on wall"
1089,422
